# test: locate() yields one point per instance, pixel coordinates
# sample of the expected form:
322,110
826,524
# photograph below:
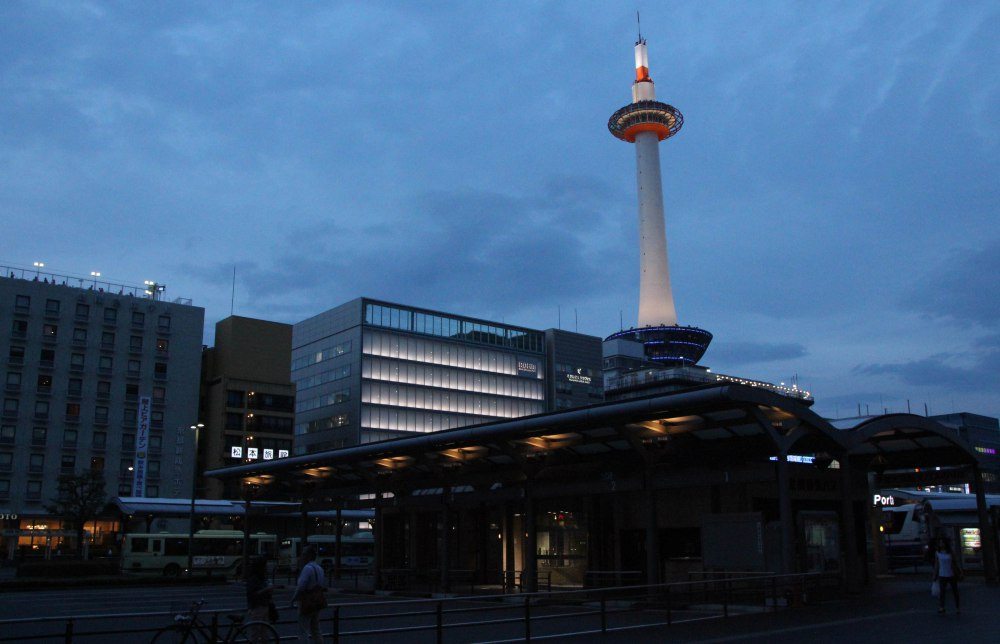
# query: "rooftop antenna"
232,298
638,25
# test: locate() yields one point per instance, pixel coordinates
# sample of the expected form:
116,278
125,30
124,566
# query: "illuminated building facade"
370,370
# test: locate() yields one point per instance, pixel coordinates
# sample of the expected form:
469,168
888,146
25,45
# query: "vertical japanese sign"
141,448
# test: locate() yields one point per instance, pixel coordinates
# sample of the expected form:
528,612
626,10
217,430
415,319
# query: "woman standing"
947,572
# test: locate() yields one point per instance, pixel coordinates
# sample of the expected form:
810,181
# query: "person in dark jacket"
258,596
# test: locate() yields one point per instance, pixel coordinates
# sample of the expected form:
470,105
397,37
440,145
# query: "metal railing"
92,283
589,611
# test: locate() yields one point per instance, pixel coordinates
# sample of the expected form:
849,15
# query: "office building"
80,356
369,370
247,398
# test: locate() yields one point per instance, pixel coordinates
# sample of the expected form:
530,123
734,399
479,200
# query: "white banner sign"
141,448
236,451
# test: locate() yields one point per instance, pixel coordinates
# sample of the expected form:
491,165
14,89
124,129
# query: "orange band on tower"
642,73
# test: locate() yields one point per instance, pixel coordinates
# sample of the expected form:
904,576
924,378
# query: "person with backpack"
311,595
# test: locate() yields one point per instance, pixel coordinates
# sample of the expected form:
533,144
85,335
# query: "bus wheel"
172,570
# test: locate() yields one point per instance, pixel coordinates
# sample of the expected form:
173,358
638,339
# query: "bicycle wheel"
255,633
176,635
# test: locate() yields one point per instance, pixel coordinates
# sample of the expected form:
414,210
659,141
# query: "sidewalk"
899,610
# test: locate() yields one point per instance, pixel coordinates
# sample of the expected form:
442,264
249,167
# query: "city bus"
357,551
213,552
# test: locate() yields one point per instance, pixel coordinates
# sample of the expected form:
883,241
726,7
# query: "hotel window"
70,437
75,387
15,355
163,324
67,463
159,394
131,391
4,488
82,310
6,461
75,360
135,343
103,388
10,406
7,433
134,366
162,345
128,442
155,442
34,490
100,440
234,398
156,419
72,411
100,414
47,357
44,383
96,463
19,328
153,468
110,316
79,334
123,466
42,409
36,463
22,303
52,307
13,380
108,339
105,363
160,370
138,318
234,421
125,489
152,491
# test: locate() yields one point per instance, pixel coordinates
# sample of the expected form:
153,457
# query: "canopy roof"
704,427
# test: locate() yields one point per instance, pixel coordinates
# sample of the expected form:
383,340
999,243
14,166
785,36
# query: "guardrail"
588,611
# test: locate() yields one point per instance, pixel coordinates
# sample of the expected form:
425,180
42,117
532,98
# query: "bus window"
266,548
157,546
176,546
140,544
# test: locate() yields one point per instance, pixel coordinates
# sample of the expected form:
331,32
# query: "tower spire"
638,24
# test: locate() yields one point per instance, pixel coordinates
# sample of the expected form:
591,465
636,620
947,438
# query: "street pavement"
900,610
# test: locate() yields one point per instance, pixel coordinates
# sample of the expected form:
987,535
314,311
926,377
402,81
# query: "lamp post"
194,487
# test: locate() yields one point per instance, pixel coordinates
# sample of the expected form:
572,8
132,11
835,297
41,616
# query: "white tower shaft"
656,299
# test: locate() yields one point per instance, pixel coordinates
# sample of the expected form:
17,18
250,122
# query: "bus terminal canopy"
169,507
709,428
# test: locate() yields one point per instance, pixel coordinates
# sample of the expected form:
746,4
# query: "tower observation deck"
645,122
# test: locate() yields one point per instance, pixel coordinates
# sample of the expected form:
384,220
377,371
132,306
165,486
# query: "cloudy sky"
832,201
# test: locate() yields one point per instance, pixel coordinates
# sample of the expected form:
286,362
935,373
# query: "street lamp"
194,484
38,267
95,275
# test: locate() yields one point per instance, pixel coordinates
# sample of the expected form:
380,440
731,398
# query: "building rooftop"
95,282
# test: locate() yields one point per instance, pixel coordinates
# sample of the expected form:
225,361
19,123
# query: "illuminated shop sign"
986,450
578,377
236,451
886,501
526,367
796,458
251,452
282,453
268,454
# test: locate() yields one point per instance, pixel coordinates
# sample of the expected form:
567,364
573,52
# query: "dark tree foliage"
81,499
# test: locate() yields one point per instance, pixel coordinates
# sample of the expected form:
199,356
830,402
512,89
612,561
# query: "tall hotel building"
369,370
77,355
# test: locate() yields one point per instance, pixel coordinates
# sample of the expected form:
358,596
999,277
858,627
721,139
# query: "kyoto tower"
645,122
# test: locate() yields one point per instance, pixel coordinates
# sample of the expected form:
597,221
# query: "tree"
81,498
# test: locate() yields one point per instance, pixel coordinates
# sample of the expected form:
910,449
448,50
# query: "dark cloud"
977,371
962,286
741,353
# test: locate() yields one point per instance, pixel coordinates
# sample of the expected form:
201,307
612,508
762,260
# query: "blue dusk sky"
831,202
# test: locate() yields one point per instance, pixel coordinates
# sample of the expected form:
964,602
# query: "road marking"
807,627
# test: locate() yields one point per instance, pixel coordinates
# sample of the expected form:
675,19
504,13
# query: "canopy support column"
785,514
652,532
338,548
529,576
444,555
848,523
986,534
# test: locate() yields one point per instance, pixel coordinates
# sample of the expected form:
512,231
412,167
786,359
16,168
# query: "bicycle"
188,629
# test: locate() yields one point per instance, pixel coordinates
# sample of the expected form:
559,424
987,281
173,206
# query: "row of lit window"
452,327
12,407
321,425
44,384
334,398
445,353
451,378
77,361
22,304
19,329
326,353
320,378
412,420
381,393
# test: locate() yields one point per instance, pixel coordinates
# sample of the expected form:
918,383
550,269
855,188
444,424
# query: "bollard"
69,632
725,597
527,619
604,615
670,617
336,625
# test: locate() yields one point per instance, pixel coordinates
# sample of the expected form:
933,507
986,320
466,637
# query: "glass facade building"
370,370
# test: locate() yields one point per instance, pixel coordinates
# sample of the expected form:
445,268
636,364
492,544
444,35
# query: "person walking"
947,572
258,597
310,594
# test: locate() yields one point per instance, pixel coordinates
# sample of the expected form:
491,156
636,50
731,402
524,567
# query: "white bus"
357,551
213,552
